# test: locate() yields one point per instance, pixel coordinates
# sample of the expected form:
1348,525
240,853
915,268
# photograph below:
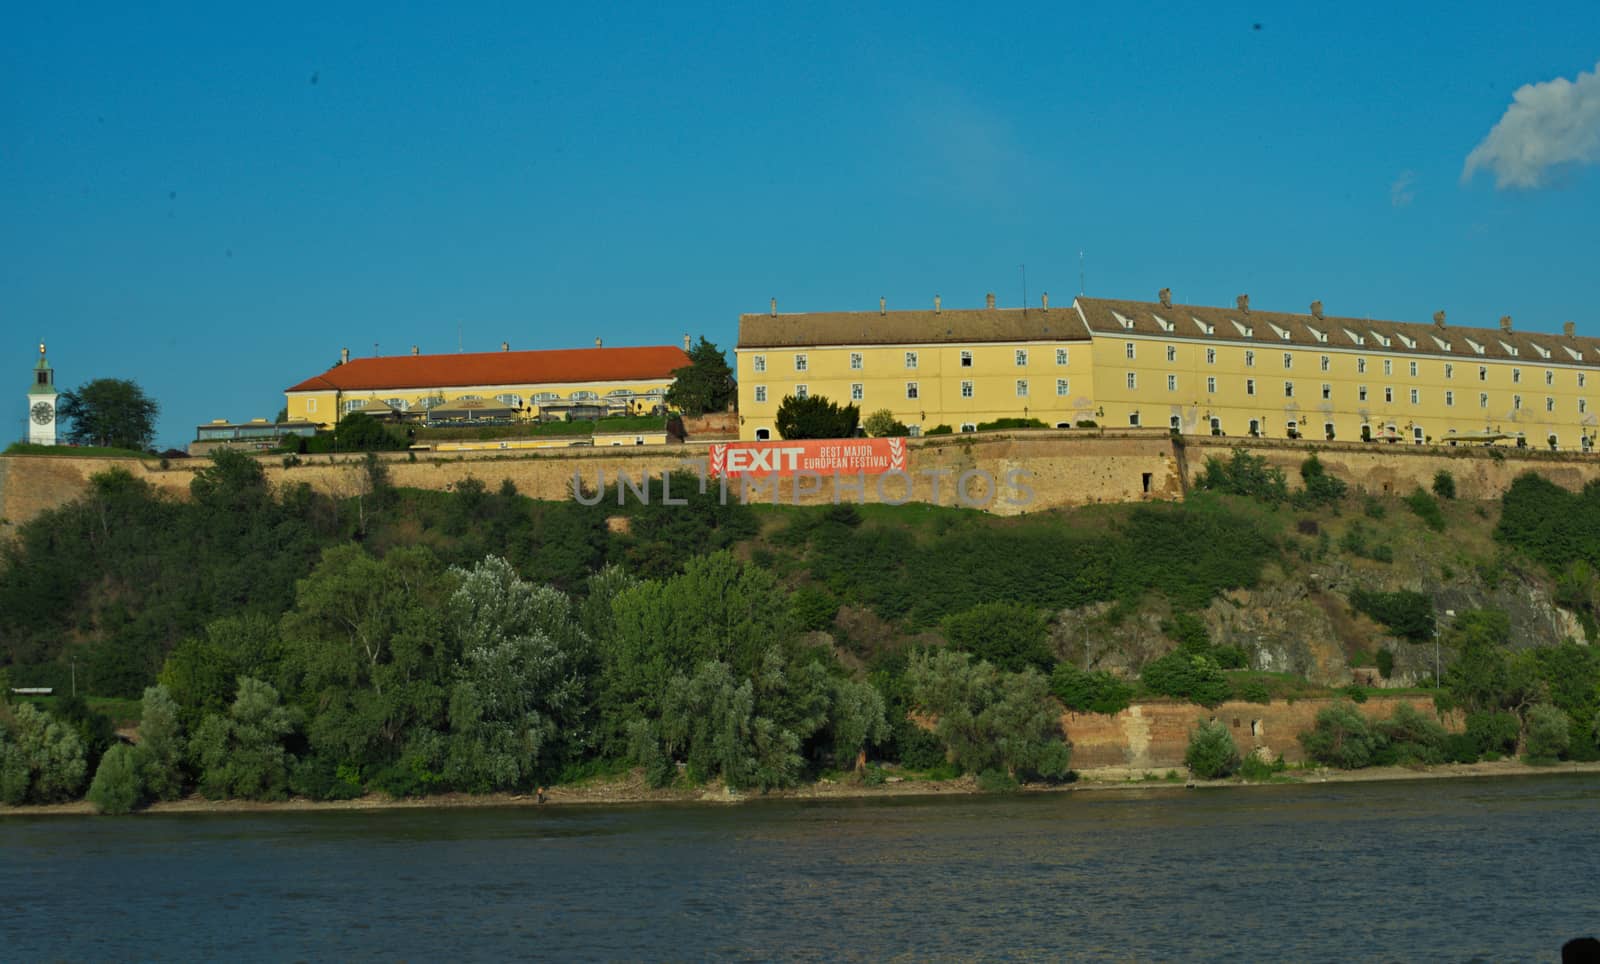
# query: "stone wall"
1154,736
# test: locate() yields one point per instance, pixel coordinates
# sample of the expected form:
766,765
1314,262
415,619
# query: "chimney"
598,344
988,300
414,349
883,305
936,308
505,346
1505,324
686,341
1569,328
344,356
1316,310
1438,318
1165,295
1244,303
1044,301
774,308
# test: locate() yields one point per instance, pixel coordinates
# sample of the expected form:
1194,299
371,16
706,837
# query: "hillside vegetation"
285,642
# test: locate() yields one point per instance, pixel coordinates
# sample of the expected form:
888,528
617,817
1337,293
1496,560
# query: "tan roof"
1267,328
949,326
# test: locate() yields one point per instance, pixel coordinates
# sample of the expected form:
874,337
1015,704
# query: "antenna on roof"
1080,274
374,349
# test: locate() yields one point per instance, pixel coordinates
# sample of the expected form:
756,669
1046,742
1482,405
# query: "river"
1503,869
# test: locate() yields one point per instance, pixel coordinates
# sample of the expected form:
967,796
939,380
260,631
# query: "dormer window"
1282,333
1476,348
1123,320
1358,339
1205,329
1166,325
1510,349
1443,345
1576,355
1382,339
1244,330
1405,341
1543,352
1320,336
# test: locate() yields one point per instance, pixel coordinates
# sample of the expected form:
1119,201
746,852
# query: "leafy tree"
1549,734
117,786
814,608
1427,508
1494,732
1485,676
1341,737
988,719
816,417
1244,474
110,412
883,423
1444,484
705,384
1194,677
1320,487
1089,691
1010,635
202,673
41,760
243,754
856,719
1405,613
360,432
1409,737
162,746
1211,754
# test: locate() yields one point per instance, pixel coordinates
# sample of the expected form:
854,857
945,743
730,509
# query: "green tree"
883,423
162,746
1485,676
360,432
203,672
1409,737
1244,474
856,720
1549,734
1211,754
816,417
1405,613
1320,487
988,719
243,754
1341,737
1444,484
1010,635
1089,691
1194,677
117,786
705,384
41,759
111,412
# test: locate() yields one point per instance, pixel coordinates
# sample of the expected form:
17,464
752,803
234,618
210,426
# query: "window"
1549,377
800,363
1516,376
1022,388
1388,367
1416,434
1413,369
1583,405
969,426
758,363
1172,383
1388,393
1128,349
1414,396
1172,353
1249,386
1361,393
966,389
1022,357
1211,357
352,404
1061,387
1288,360
1327,392
1133,381
311,405
1483,373
800,391
1449,371
1327,430
761,393
1249,359
911,359
1326,362
1216,425
1580,379
1516,403
855,361
857,391
911,389
762,434
966,359
1549,404
1483,399
1288,389
1450,399
1061,356
1133,419
1361,366
1211,385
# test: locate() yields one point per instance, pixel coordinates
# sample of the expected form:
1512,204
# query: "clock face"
43,413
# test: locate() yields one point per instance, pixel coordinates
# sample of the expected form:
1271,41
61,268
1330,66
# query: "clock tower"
42,403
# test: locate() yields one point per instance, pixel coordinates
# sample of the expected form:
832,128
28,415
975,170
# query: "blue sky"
214,203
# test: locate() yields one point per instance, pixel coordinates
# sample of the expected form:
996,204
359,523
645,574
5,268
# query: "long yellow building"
1194,369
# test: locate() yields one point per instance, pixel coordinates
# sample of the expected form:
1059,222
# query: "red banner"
845,456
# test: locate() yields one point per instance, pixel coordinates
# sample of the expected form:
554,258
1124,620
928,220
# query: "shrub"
1459,748
815,417
1187,676
1244,474
1252,691
41,759
162,746
1405,613
1012,636
1385,662
1341,737
997,781
883,423
1383,553
1005,423
940,430
1444,484
242,754
1427,509
1320,487
1409,737
117,787
1258,770
1211,754
1087,691
988,719
813,608
1549,734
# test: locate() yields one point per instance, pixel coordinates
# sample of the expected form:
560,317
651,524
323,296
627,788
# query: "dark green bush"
1257,770
1211,754
997,781
1244,474
1187,676
1320,488
940,430
1385,661
1252,691
813,608
1408,737
1341,737
1005,423
1405,613
1427,509
1089,691
1444,484
1010,635
117,788
1549,734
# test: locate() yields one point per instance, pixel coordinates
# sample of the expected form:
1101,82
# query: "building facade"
42,398
510,384
1193,369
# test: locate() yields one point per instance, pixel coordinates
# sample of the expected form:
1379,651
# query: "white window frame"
857,361
1022,388
1063,388
1172,383
1133,381
801,362
966,359
1022,358
1249,386
858,391
911,359
913,391
1062,356
966,389
761,393
758,363
802,391
1211,384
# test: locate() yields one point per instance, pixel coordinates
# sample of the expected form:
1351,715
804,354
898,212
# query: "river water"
1503,869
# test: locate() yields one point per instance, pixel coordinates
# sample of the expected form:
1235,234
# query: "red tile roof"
560,366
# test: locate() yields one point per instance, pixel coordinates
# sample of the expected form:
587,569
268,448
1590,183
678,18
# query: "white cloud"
1402,192
1548,125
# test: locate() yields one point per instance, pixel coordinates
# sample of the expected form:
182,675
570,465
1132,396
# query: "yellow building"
502,385
1196,369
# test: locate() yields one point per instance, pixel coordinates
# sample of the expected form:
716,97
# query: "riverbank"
631,789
